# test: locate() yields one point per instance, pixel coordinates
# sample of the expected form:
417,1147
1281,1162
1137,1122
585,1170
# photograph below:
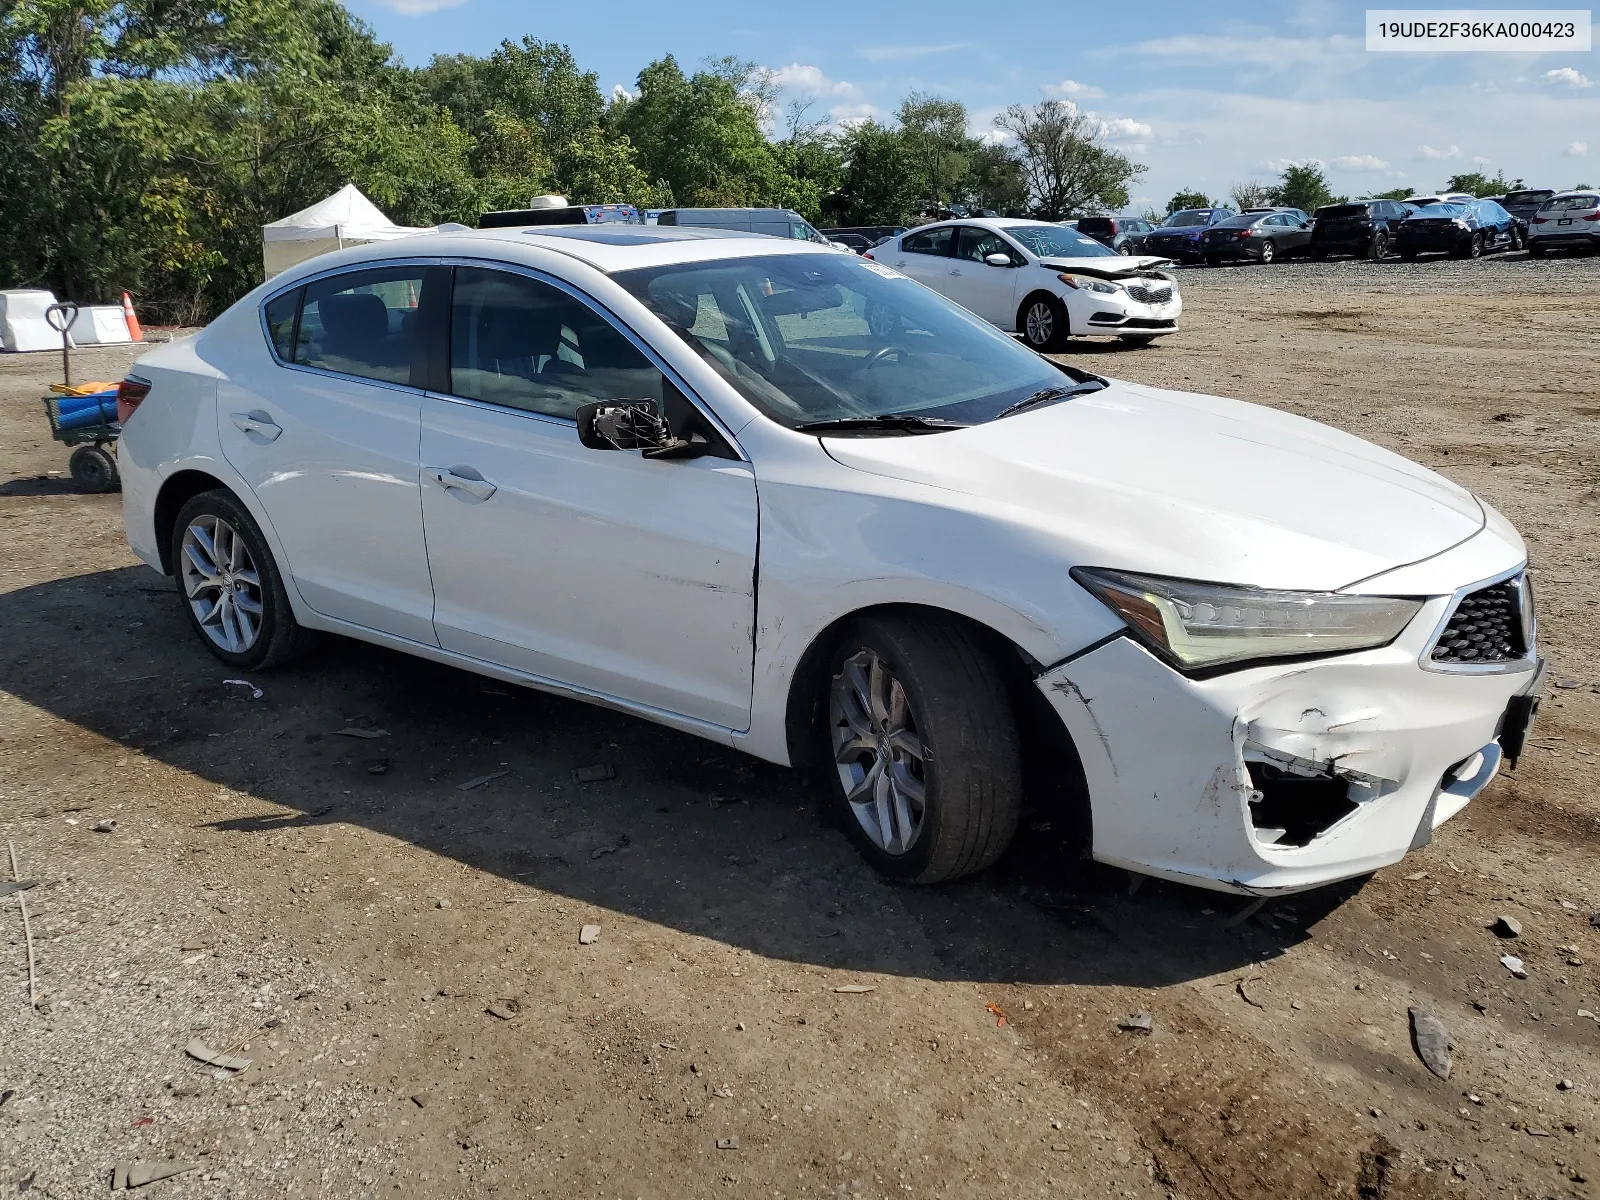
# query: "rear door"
622,576
326,438
925,256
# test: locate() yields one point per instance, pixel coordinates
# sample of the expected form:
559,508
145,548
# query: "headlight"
1194,625
1458,223
1088,283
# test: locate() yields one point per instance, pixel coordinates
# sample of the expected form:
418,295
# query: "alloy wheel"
222,584
1268,251
878,752
1040,324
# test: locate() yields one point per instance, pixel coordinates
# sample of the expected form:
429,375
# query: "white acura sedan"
792,501
1044,281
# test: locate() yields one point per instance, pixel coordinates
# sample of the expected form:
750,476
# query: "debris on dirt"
999,1015
441,903
1431,1040
352,731
595,774
1584,1012
1566,1085
1570,906
19,886
255,692
138,1174
722,1092
1245,913
378,766
728,1143
1239,985
1415,876
6,1095
1506,927
1139,1022
481,780
858,989
504,1009
588,935
1594,918
105,826
1514,964
198,1049
419,1100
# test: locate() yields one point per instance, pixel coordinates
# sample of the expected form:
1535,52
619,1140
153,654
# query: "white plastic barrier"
22,323
101,325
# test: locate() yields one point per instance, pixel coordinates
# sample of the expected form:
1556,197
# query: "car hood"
1108,266
1175,483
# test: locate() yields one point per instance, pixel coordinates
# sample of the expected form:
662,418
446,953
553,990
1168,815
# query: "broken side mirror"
632,425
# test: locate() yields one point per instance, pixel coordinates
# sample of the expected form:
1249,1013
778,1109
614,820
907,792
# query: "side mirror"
997,259
632,425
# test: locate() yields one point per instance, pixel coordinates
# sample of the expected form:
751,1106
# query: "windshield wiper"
1051,394
900,422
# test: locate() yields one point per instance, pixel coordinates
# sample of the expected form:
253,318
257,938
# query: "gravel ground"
337,909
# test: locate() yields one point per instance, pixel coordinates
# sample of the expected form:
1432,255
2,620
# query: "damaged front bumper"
1283,777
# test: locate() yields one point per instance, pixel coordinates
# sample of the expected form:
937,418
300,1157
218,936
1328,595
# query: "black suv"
1122,234
1525,205
1365,228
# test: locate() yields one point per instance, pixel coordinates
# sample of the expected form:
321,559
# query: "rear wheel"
1213,260
927,777
230,586
1043,322
94,469
1269,251
1516,238
1125,248
1474,247
1379,246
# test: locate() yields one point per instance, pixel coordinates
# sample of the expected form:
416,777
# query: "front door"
326,438
622,576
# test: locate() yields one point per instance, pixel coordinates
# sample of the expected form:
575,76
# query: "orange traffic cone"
134,331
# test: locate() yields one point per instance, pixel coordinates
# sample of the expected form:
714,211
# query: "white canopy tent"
346,218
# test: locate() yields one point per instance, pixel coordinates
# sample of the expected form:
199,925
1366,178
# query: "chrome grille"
1146,295
1487,626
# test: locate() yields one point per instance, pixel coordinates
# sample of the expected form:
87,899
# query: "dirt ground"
344,912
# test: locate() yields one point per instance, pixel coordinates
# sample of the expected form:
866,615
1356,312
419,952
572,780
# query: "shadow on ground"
688,834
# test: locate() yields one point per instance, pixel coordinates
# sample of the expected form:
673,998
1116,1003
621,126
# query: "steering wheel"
884,353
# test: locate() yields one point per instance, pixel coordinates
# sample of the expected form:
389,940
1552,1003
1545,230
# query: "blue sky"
1203,95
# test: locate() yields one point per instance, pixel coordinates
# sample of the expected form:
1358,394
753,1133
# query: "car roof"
608,248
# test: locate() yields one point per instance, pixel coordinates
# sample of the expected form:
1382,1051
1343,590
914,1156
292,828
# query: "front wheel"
94,469
1516,238
1044,322
230,587
927,765
1125,248
1474,247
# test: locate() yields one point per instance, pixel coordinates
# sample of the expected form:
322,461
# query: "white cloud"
802,77
1433,155
1279,165
1576,149
1071,89
845,115
994,137
1570,76
1360,162
620,93
1273,52
1126,127
894,53
416,8
1479,160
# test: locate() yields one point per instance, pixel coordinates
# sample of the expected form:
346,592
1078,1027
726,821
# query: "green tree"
1477,183
997,181
1303,186
934,132
1187,200
1399,193
879,183
1064,159
1249,194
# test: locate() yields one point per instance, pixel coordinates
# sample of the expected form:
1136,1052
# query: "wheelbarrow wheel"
94,469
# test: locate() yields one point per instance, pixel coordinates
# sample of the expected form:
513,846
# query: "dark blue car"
1178,237
1462,230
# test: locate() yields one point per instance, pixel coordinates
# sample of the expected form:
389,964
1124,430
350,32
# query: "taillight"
868,254
1541,220
130,393
1244,233
1594,216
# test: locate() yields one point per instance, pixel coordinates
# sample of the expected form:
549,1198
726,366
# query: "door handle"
451,481
258,423
955,270
900,263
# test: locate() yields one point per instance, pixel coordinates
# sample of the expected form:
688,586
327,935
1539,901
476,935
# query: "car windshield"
1056,241
1534,197
1571,204
1242,221
827,337
1191,216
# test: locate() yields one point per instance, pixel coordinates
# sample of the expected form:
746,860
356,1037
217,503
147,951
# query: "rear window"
1572,204
1192,216
1242,221
1097,225
281,312
1335,211
1533,197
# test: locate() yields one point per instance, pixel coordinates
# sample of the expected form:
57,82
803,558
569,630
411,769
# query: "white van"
777,222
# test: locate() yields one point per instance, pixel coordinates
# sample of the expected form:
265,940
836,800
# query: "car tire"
1125,248
1473,248
1317,255
1043,322
1516,238
221,561
1213,261
1535,250
1378,247
1268,252
1408,254
94,469
923,692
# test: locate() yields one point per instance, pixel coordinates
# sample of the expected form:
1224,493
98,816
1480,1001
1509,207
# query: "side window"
521,343
974,244
929,241
363,323
281,312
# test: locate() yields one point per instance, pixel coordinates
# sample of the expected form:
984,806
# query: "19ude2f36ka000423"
793,501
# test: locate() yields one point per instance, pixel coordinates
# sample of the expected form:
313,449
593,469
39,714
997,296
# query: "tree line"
144,142
1305,186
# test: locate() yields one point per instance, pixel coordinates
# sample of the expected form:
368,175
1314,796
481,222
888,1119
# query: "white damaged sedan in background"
795,502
